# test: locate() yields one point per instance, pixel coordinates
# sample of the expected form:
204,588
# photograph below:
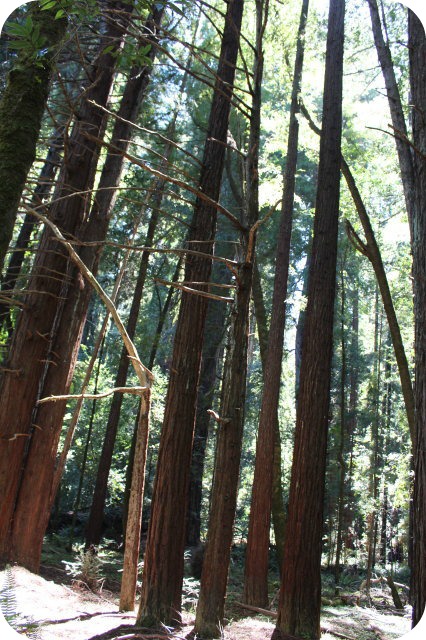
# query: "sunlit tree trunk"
210,609
300,595
163,568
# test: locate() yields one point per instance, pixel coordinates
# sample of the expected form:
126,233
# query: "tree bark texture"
215,331
134,517
70,324
257,554
277,508
35,349
417,49
300,595
163,570
21,111
41,192
214,577
210,609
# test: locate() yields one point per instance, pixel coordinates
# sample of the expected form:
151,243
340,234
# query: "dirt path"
60,612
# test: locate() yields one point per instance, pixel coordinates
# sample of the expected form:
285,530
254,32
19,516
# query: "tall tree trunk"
215,330
24,510
417,49
343,432
41,192
300,595
163,569
210,609
70,323
371,250
277,509
395,106
21,111
257,554
374,394
94,525
134,517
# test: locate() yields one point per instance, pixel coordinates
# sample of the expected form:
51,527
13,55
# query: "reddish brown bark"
134,518
300,595
69,330
257,554
214,577
24,458
417,48
163,571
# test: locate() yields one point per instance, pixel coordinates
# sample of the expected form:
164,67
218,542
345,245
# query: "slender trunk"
383,527
395,106
374,446
300,595
163,569
300,328
94,525
342,435
85,453
21,111
371,249
278,508
33,347
215,330
417,49
257,555
134,518
210,609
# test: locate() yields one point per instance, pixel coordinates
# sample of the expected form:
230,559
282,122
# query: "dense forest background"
201,323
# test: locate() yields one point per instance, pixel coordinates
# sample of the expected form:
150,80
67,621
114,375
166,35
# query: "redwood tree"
25,458
257,555
417,49
300,595
163,569
21,111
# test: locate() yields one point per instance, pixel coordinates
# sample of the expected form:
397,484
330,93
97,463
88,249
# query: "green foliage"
86,569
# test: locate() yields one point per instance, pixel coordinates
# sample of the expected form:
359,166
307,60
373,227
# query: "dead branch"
198,292
145,376
254,228
140,163
265,612
135,391
355,239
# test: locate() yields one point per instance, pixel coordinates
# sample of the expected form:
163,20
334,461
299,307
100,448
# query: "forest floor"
56,606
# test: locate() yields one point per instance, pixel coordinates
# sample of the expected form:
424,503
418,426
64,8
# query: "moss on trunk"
21,112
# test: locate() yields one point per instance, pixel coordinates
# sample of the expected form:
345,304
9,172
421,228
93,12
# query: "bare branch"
135,391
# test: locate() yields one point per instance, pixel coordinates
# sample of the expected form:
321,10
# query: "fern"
9,607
